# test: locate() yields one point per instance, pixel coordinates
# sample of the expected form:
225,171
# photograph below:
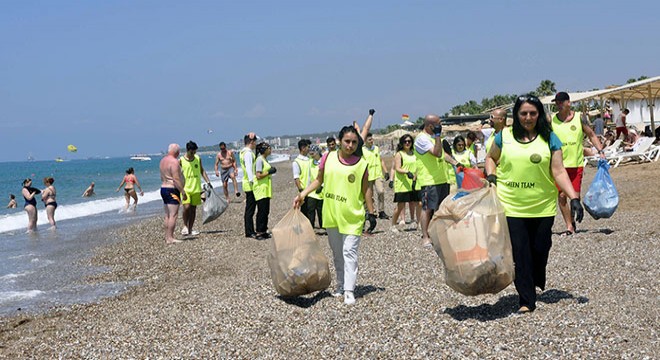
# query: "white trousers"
345,253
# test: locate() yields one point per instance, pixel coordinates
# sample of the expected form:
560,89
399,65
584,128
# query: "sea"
47,268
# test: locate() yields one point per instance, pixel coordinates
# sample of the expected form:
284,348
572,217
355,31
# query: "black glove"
372,222
272,171
387,176
492,178
372,112
437,130
410,175
391,184
319,190
577,212
209,185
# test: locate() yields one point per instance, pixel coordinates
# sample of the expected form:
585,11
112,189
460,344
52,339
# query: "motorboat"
140,158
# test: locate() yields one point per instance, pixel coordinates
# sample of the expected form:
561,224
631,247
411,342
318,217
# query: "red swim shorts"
575,174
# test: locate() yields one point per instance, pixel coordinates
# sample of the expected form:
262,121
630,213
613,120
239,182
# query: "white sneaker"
394,229
413,225
349,298
402,222
337,293
184,231
194,233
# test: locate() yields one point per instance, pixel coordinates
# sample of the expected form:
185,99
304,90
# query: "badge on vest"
351,178
535,158
573,128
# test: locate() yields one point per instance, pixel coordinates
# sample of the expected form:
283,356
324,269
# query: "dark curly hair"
542,126
262,147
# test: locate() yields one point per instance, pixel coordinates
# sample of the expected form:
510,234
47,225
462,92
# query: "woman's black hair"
458,139
399,146
542,126
351,129
130,170
262,147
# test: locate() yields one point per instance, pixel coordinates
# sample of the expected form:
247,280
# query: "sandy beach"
212,296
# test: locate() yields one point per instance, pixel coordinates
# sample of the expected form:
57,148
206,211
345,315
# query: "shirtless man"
227,163
171,190
89,191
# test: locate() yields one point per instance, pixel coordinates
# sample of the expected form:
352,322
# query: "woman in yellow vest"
530,162
263,189
405,178
345,182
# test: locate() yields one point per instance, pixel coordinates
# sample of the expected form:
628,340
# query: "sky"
121,77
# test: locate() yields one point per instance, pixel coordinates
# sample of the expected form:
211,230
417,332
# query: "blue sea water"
41,269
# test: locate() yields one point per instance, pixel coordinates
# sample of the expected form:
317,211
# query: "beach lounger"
643,153
609,152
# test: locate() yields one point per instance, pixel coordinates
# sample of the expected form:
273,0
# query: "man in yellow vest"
497,122
431,171
377,170
570,127
247,165
193,172
301,171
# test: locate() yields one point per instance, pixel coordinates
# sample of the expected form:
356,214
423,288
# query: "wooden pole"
651,104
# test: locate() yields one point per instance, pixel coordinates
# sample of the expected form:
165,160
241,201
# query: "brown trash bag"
297,263
471,236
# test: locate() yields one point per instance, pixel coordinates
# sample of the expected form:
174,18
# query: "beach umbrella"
72,148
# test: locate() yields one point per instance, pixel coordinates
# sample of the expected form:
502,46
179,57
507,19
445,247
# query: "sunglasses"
530,113
530,98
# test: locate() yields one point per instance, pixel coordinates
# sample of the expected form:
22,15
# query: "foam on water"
19,295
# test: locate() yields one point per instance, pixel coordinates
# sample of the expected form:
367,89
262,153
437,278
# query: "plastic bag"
214,205
471,236
297,263
602,198
469,178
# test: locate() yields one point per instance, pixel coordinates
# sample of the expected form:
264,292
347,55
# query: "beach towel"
296,260
602,198
470,234
214,205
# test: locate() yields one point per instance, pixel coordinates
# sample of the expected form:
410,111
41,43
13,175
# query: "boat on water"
140,158
59,159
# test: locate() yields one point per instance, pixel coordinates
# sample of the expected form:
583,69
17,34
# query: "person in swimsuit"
30,206
12,202
129,182
48,197
171,190
89,191
228,169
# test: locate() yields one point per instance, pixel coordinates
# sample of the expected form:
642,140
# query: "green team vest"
314,173
263,187
247,186
401,182
451,173
431,170
373,159
192,174
473,148
343,202
304,172
525,185
571,136
489,142
463,158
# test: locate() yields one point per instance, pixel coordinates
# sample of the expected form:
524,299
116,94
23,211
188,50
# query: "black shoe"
238,194
251,236
382,215
263,236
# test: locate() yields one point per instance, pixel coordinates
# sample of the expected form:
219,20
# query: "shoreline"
213,297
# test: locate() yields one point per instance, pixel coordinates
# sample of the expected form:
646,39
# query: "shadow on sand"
306,302
506,306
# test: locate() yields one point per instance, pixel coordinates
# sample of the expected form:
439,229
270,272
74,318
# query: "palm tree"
545,88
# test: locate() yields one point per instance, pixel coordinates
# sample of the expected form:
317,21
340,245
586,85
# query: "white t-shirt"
619,120
247,160
423,144
487,133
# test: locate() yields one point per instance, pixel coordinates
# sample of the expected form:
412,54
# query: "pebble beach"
212,296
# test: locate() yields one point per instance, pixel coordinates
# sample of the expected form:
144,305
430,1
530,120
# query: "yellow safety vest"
263,187
490,141
343,203
192,174
431,170
463,158
525,185
247,186
401,182
304,166
373,159
571,135
314,173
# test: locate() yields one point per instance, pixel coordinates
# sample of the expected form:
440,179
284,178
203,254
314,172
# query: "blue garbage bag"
602,198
